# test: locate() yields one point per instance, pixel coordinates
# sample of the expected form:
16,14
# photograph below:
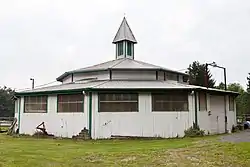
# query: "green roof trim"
49,92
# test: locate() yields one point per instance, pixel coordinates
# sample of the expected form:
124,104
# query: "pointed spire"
124,33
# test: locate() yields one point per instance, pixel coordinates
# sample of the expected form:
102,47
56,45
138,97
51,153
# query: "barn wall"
100,75
231,116
59,124
209,123
143,123
67,79
134,75
204,121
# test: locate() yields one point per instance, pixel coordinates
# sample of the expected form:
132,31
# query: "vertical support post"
110,74
90,114
206,75
19,114
225,78
225,99
195,109
33,83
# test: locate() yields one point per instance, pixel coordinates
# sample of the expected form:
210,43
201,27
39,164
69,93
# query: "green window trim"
46,111
57,102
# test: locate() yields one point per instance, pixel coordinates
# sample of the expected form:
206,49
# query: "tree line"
197,76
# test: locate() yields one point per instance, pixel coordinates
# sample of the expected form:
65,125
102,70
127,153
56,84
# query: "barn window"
202,101
171,76
118,102
16,105
172,101
70,103
129,45
120,48
231,103
185,78
35,104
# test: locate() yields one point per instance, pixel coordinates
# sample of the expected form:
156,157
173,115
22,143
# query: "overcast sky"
45,38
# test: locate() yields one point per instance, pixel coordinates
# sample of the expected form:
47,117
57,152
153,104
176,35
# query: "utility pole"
225,87
33,82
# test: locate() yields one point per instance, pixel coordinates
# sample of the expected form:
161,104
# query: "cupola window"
120,48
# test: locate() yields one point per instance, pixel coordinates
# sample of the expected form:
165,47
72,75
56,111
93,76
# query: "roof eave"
116,41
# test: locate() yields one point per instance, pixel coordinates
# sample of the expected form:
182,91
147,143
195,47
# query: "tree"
7,105
248,83
220,86
197,75
235,87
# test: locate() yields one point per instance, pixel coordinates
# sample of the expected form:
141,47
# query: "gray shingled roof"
116,85
125,64
124,33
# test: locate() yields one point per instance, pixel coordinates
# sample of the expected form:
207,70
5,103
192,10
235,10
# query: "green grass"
206,151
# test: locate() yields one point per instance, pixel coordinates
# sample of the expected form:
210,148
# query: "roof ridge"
122,60
145,63
94,65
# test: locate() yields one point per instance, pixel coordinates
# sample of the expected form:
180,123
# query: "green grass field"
207,151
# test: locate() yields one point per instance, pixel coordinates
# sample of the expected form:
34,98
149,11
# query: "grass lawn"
207,151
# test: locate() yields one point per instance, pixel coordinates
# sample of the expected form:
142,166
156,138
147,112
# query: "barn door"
217,118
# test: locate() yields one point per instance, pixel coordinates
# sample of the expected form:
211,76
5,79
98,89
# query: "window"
70,103
171,101
120,48
231,103
118,102
202,101
16,105
172,76
129,45
35,104
185,78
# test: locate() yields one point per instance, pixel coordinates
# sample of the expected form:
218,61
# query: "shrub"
240,127
236,128
194,131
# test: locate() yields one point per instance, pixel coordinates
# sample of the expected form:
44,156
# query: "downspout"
19,113
195,106
90,114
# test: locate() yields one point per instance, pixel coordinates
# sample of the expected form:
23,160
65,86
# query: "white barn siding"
231,116
143,123
104,124
204,121
210,123
100,75
161,75
134,75
67,79
59,124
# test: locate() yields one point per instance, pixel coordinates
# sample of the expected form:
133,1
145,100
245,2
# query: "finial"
124,14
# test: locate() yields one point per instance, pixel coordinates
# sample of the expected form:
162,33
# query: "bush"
234,129
194,131
240,127
237,128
